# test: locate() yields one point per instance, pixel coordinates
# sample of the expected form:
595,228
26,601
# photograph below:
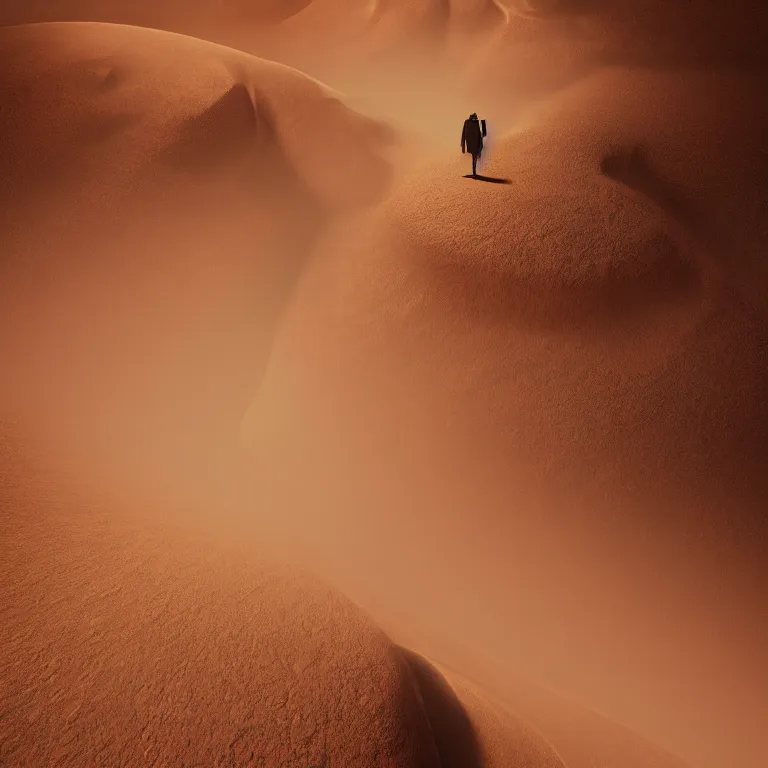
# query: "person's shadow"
488,179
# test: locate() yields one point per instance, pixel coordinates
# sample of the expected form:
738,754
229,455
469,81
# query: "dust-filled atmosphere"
384,383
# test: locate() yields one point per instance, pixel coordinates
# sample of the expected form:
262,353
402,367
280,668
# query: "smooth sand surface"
519,419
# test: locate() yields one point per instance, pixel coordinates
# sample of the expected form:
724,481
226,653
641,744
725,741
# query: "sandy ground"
129,641
123,646
255,312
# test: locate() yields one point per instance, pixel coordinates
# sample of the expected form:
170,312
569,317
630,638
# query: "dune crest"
181,179
576,358
151,647
471,730
227,126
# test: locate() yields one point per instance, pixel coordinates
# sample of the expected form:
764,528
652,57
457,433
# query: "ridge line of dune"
451,673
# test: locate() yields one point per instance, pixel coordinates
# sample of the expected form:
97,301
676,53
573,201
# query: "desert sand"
126,642
317,451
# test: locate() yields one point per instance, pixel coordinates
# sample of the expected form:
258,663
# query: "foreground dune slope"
123,644
158,197
124,641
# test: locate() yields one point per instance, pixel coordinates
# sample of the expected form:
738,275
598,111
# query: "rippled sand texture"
254,311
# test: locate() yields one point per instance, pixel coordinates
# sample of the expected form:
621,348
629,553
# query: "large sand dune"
608,262
126,647
128,642
577,356
520,418
153,184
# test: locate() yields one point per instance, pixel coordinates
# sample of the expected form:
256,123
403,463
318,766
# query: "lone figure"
472,139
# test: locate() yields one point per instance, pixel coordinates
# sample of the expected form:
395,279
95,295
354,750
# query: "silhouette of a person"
472,140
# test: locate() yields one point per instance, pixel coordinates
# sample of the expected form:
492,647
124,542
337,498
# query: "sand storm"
257,324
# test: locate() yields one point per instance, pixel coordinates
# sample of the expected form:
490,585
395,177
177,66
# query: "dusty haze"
254,312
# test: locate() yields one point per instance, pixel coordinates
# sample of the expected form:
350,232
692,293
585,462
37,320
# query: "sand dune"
195,16
631,205
127,641
470,729
122,645
520,418
386,40
548,45
396,21
84,61
153,184
610,227
584,738
528,44
559,342
537,727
